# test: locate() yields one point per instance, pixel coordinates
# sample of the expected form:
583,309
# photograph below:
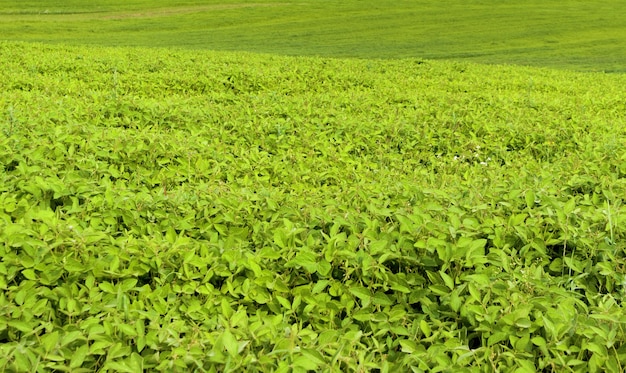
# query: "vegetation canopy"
219,211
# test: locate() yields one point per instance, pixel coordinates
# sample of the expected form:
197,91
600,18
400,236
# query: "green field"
186,210
573,34
172,200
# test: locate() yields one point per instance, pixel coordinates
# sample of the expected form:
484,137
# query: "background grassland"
581,35
187,210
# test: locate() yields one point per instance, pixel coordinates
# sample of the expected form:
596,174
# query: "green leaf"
280,239
128,330
447,280
29,274
362,315
478,278
530,198
297,300
611,318
50,340
231,344
269,253
120,366
305,362
324,268
526,366
100,347
319,286
78,356
361,293
476,251
140,327
227,310
128,284
409,346
314,356
381,299
538,341
72,337
439,289
596,348
401,288
107,287
22,363
22,326
425,328
284,302
304,259
136,362
141,342
496,338
569,206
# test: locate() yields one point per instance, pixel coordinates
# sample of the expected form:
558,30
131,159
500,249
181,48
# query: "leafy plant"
266,213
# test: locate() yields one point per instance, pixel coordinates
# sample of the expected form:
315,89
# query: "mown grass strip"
576,35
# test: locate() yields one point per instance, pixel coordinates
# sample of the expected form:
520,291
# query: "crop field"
225,211
585,35
312,186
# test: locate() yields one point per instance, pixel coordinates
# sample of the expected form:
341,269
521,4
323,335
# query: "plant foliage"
203,211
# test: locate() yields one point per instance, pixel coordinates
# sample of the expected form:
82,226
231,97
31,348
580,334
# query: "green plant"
266,213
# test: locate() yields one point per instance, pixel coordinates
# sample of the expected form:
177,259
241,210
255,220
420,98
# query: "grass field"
580,35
